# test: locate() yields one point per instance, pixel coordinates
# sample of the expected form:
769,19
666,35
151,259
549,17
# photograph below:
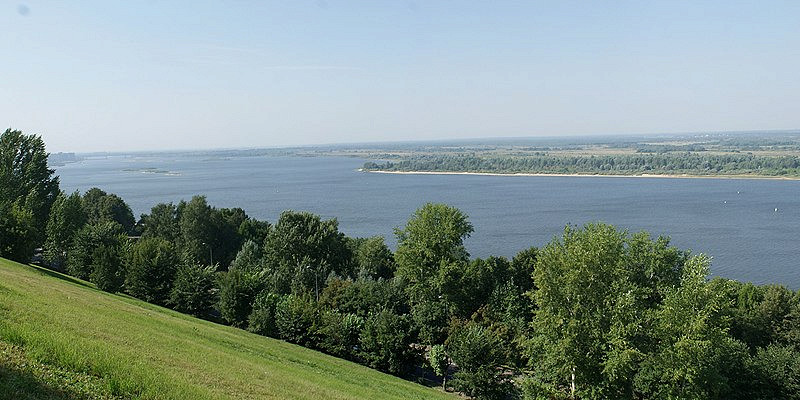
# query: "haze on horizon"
120,76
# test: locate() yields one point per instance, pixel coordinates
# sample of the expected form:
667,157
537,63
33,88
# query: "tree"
385,343
17,232
339,333
29,189
254,230
162,222
262,318
104,207
151,265
81,258
302,250
108,271
477,354
66,218
193,291
374,259
296,318
237,291
440,362
209,236
432,238
595,291
248,259
694,357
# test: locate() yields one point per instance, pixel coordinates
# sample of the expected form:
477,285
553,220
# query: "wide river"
750,227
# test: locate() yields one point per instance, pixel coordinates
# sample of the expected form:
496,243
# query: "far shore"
682,176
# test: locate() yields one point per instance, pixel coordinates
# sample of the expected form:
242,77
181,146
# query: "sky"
157,75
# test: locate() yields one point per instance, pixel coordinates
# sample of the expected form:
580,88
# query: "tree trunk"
572,384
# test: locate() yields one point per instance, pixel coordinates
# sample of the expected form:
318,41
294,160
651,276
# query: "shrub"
296,320
262,318
237,290
193,291
386,343
339,333
151,265
478,355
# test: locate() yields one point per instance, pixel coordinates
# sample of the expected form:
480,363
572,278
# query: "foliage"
108,270
477,353
151,264
297,318
17,232
82,258
440,362
66,218
193,290
302,250
339,333
237,291
162,222
103,207
365,296
28,191
262,318
386,343
374,259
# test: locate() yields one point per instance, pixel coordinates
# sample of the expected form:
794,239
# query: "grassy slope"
117,345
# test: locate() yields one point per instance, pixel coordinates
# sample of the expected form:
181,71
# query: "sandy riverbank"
588,175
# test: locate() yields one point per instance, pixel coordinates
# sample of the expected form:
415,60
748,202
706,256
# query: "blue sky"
135,75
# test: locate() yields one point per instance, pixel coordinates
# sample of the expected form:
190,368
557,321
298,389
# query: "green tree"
108,269
193,291
432,238
262,318
104,207
385,343
151,265
440,362
66,218
596,288
162,222
237,291
17,232
302,250
297,319
339,333
81,256
375,260
694,357
29,189
479,357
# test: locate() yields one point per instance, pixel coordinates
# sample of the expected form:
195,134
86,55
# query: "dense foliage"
597,313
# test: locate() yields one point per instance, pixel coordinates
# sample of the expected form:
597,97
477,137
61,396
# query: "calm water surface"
733,220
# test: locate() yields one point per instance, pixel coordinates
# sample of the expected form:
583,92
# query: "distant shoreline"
679,176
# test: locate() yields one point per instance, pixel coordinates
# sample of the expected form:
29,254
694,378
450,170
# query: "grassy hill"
62,338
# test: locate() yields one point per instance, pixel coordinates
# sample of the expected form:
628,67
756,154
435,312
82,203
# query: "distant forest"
645,162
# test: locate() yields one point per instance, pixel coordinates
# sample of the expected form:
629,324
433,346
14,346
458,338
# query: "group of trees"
597,313
648,161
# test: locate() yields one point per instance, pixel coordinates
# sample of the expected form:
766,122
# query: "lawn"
62,338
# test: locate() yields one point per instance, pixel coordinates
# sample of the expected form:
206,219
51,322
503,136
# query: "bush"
478,355
108,272
80,258
151,266
262,318
386,343
193,291
296,320
237,290
440,362
339,333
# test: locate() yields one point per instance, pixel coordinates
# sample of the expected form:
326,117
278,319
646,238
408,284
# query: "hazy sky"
130,75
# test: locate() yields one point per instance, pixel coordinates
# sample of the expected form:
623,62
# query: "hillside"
62,338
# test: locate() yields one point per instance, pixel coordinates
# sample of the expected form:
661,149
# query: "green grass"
62,338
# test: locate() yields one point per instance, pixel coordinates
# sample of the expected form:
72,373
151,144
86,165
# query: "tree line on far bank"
645,162
596,313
